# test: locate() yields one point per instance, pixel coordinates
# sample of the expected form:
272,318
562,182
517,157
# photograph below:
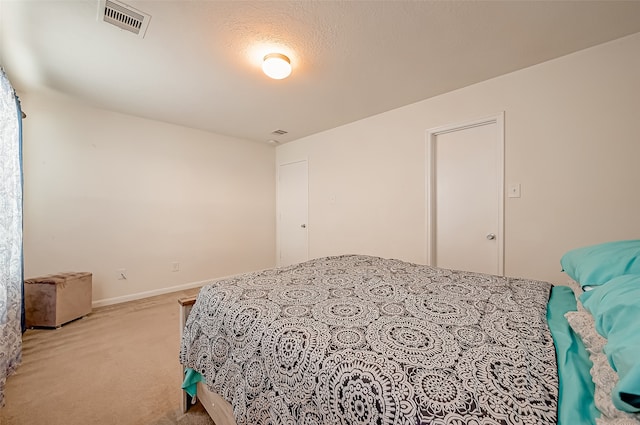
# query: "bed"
358,339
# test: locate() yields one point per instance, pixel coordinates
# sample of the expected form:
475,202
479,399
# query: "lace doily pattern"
348,311
460,290
443,310
381,291
392,309
469,336
245,323
359,340
293,350
411,341
212,313
512,385
344,338
360,387
514,330
440,393
296,310
255,376
298,294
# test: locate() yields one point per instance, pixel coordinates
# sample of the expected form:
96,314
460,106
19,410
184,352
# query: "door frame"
430,162
279,208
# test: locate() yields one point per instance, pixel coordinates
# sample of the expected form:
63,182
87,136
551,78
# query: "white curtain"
11,268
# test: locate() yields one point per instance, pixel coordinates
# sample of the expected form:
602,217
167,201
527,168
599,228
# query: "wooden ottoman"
56,299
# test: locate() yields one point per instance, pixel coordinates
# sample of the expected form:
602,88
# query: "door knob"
304,226
491,236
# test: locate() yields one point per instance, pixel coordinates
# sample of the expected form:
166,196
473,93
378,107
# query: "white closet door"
293,200
466,197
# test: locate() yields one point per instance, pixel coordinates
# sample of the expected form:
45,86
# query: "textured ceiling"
199,63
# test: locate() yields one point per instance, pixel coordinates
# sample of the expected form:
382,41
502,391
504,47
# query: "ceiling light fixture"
276,66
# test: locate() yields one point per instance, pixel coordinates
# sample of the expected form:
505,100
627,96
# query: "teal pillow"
597,264
615,307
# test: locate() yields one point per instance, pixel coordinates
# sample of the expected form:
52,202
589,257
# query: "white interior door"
293,199
465,196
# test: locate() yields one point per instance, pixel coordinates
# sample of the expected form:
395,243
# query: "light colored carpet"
119,365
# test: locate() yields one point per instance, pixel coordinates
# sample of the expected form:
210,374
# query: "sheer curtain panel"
11,268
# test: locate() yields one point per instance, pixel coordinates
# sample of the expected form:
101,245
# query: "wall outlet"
122,274
175,266
514,190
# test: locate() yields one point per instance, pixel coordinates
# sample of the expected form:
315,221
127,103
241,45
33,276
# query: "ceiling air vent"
123,16
279,132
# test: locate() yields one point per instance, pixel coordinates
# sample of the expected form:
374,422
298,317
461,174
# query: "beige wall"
572,140
106,191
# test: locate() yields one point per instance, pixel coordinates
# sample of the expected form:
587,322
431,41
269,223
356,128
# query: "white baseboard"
152,293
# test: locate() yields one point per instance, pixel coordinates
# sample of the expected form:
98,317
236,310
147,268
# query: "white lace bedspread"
365,340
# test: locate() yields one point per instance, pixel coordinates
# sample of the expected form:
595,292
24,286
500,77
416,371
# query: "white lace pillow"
603,376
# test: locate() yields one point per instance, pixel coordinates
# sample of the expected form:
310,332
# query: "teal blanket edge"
575,387
191,379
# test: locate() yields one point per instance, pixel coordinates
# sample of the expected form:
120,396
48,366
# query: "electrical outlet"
514,190
122,274
175,266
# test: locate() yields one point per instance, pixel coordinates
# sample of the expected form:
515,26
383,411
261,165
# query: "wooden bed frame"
218,408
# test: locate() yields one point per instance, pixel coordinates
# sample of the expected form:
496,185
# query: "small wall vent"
279,132
123,16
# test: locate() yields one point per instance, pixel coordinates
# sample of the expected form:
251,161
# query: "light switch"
514,190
